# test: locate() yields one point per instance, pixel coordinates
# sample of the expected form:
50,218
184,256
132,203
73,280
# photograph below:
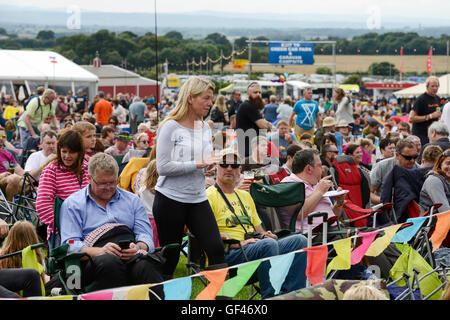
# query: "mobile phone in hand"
124,244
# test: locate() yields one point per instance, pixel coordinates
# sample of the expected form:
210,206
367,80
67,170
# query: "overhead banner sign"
291,53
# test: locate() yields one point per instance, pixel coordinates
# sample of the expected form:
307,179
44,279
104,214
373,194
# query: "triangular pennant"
361,250
317,260
409,260
279,269
408,233
98,295
440,230
232,286
380,244
178,289
216,278
137,292
343,252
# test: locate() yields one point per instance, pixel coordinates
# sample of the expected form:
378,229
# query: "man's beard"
256,102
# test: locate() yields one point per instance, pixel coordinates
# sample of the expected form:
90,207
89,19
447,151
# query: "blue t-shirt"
306,113
270,112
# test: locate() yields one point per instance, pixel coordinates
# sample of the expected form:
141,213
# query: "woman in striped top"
65,175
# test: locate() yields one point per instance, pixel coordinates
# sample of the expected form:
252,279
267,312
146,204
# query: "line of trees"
139,51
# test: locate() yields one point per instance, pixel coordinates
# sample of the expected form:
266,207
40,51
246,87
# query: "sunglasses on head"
233,165
410,157
446,153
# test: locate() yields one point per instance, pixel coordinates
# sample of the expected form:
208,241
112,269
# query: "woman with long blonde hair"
21,235
146,192
183,151
219,112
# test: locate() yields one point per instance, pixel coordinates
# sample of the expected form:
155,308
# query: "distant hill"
29,20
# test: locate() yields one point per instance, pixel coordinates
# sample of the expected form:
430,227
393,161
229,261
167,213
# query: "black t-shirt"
246,117
233,107
424,105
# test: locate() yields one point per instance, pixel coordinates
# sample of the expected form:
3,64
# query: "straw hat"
342,124
328,122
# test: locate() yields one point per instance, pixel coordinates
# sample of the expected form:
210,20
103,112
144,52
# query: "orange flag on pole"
430,54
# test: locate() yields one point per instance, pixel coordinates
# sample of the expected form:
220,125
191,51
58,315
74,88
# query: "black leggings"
14,280
171,216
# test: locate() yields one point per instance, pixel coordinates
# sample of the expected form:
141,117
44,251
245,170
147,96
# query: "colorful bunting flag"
343,253
216,279
178,289
139,292
380,244
66,297
317,260
361,250
409,260
232,286
441,229
279,269
408,233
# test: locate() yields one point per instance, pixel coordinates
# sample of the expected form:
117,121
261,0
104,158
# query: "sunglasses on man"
409,158
233,165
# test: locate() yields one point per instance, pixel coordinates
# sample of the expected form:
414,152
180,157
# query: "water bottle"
11,167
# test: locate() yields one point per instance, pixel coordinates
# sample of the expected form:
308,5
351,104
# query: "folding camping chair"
279,205
276,177
348,176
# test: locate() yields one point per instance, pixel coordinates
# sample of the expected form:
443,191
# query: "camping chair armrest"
33,247
228,242
282,233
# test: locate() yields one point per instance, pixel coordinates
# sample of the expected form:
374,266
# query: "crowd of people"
131,171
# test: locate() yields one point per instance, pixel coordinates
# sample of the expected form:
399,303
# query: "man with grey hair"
38,110
111,225
438,135
426,110
406,156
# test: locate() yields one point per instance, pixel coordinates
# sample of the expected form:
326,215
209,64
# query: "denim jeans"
296,277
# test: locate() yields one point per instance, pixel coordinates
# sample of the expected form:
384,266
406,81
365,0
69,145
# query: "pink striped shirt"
56,181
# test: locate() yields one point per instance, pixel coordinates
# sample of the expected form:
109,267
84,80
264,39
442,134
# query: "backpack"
31,98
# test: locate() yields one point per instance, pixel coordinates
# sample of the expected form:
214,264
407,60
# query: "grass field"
360,63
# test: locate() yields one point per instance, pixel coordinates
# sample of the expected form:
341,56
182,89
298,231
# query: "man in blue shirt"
306,111
137,113
270,110
96,218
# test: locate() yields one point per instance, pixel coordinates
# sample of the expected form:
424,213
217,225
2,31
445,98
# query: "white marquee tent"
414,92
31,69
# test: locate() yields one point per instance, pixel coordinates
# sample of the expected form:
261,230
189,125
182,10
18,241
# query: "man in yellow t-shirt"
224,198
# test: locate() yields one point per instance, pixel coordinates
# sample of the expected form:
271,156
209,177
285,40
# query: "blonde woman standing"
146,192
184,151
219,112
